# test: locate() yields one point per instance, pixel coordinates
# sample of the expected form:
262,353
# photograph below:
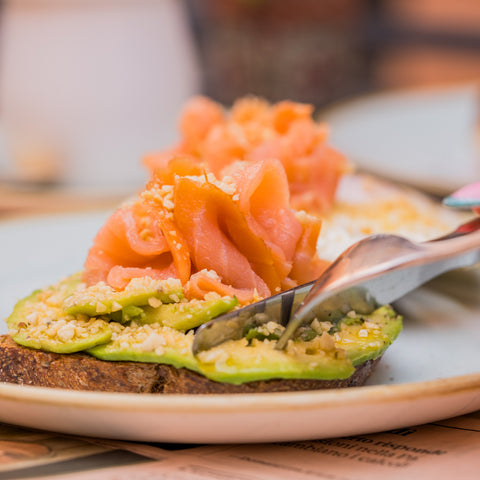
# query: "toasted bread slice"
80,371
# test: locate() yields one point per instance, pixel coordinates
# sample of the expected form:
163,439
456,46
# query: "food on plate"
249,203
253,131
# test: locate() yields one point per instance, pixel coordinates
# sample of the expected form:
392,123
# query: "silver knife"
374,271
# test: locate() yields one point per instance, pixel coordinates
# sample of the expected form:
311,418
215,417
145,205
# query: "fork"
374,271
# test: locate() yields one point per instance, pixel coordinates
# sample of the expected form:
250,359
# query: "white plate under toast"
431,372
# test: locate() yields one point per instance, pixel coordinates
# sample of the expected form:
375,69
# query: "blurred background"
89,86
322,51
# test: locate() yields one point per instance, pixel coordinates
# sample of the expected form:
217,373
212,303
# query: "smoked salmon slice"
241,228
254,130
127,239
204,282
222,211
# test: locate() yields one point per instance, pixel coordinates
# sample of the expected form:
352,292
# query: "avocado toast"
111,351
225,220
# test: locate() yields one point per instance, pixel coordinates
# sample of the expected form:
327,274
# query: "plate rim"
194,403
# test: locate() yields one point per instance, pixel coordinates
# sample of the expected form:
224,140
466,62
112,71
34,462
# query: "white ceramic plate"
432,371
428,138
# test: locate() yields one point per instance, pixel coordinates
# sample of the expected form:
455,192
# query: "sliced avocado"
51,296
367,337
101,299
38,321
320,351
187,315
238,362
66,340
324,356
130,312
148,343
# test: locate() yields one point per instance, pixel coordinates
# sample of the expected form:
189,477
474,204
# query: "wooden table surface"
15,202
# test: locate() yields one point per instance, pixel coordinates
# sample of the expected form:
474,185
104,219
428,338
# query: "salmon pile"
234,208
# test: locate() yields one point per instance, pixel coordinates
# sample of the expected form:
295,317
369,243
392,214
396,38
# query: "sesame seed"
154,302
100,307
116,306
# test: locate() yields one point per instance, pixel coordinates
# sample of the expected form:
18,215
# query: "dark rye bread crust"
80,371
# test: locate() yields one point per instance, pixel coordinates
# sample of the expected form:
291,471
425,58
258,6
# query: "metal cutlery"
374,271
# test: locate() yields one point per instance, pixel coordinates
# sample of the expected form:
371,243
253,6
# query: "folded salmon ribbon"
254,130
218,211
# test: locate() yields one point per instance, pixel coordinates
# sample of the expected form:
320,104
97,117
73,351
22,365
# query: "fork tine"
287,303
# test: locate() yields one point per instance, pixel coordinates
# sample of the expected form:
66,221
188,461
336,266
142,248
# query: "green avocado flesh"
327,356
123,305
40,322
184,316
150,321
150,344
